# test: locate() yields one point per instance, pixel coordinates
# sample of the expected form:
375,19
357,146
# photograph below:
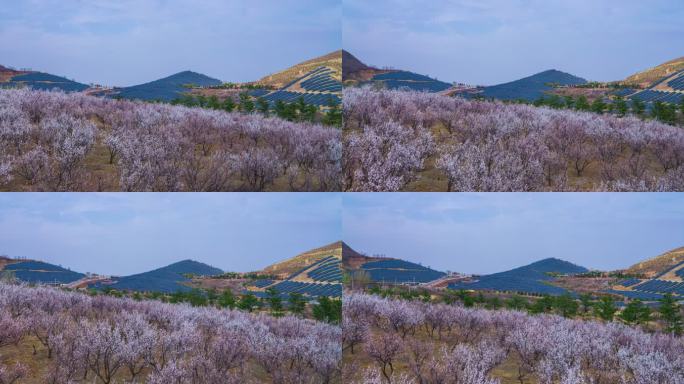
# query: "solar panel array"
400,271
321,80
623,92
42,273
649,96
678,82
261,283
410,80
646,296
310,289
45,82
629,282
669,269
512,284
319,99
327,270
660,286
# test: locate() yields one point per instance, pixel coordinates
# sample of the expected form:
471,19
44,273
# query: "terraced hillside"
169,279
313,274
651,76
659,265
38,272
534,278
320,87
279,80
289,266
658,275
10,78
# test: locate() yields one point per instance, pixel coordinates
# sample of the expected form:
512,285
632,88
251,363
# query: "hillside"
354,69
167,279
38,272
168,88
532,87
313,274
388,270
291,265
652,75
532,278
280,79
659,264
10,78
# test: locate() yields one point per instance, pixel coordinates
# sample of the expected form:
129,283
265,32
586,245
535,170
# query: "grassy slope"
292,265
649,76
279,79
658,264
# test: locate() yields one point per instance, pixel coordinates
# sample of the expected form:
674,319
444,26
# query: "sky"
128,42
127,233
488,42
493,232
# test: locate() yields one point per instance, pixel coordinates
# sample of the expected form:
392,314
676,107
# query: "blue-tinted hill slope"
168,279
168,88
39,272
532,87
532,278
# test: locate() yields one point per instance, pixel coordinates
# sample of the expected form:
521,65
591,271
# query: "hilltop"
313,273
658,265
280,79
532,87
355,69
293,264
531,278
650,76
168,88
356,72
171,278
388,270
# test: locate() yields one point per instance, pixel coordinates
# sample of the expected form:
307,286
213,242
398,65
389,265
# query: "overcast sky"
493,232
494,41
126,42
126,233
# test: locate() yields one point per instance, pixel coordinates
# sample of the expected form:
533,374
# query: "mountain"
532,87
659,265
38,272
532,278
651,76
10,78
332,61
168,88
167,279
